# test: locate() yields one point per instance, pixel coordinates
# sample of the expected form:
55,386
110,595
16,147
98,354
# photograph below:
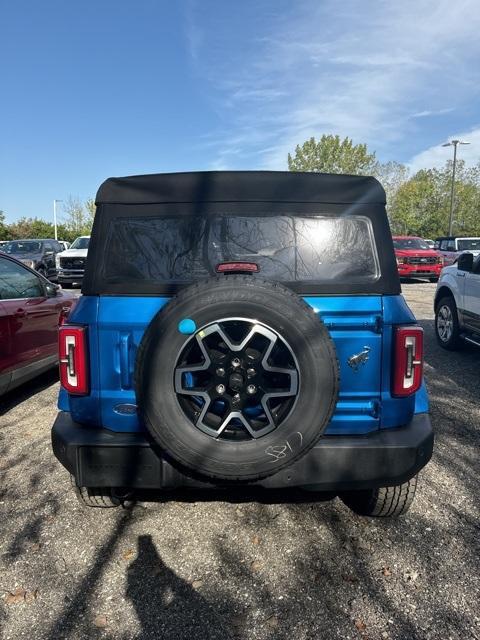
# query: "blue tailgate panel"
355,323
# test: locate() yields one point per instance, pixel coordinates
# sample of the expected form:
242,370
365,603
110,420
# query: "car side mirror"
465,262
51,289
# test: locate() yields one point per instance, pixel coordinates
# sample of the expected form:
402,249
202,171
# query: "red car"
31,308
415,259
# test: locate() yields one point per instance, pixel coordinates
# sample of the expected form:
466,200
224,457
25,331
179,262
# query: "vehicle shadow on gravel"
27,390
168,606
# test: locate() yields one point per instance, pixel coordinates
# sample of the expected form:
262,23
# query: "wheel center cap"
236,381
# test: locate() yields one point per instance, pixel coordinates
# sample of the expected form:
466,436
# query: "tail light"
407,361
72,349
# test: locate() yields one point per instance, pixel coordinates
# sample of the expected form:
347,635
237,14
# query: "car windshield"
23,246
410,243
468,244
80,243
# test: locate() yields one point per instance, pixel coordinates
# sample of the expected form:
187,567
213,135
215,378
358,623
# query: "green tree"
333,155
421,205
90,210
31,228
77,220
5,233
391,175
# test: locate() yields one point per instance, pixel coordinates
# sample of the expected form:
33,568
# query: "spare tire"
236,378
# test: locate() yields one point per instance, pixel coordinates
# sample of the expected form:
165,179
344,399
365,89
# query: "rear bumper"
102,458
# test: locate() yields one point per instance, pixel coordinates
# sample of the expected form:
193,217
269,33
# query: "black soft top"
126,204
241,186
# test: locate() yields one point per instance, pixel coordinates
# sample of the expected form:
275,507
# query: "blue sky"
114,87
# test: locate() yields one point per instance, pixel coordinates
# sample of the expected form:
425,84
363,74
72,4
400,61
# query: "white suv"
457,303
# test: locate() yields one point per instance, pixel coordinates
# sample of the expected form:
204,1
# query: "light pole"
55,216
454,144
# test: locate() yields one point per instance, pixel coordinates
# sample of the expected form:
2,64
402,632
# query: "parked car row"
56,260
419,258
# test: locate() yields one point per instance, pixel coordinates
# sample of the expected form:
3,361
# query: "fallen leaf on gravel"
196,584
386,571
273,622
256,540
255,565
36,546
16,596
128,555
100,621
410,576
360,625
30,596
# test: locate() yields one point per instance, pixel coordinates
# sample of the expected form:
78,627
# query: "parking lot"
237,565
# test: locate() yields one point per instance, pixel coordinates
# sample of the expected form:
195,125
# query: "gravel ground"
198,566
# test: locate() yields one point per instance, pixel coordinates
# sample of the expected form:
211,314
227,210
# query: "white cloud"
437,155
428,112
354,69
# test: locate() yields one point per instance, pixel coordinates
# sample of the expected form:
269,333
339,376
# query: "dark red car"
415,259
31,309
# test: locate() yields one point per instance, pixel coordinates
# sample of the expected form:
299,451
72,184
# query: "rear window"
180,249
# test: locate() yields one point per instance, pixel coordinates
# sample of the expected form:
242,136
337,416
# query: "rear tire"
386,502
100,497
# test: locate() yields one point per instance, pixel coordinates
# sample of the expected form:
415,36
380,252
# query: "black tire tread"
384,502
99,497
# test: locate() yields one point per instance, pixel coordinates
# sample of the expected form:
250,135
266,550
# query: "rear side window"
181,249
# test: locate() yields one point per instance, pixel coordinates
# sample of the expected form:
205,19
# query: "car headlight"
400,261
29,263
57,261
440,260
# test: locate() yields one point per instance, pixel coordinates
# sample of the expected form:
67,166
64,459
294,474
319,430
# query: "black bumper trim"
101,458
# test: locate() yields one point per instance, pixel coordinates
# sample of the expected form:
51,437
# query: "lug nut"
251,373
220,388
251,389
220,372
236,362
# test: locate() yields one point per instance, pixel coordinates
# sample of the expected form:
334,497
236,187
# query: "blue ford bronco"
243,329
